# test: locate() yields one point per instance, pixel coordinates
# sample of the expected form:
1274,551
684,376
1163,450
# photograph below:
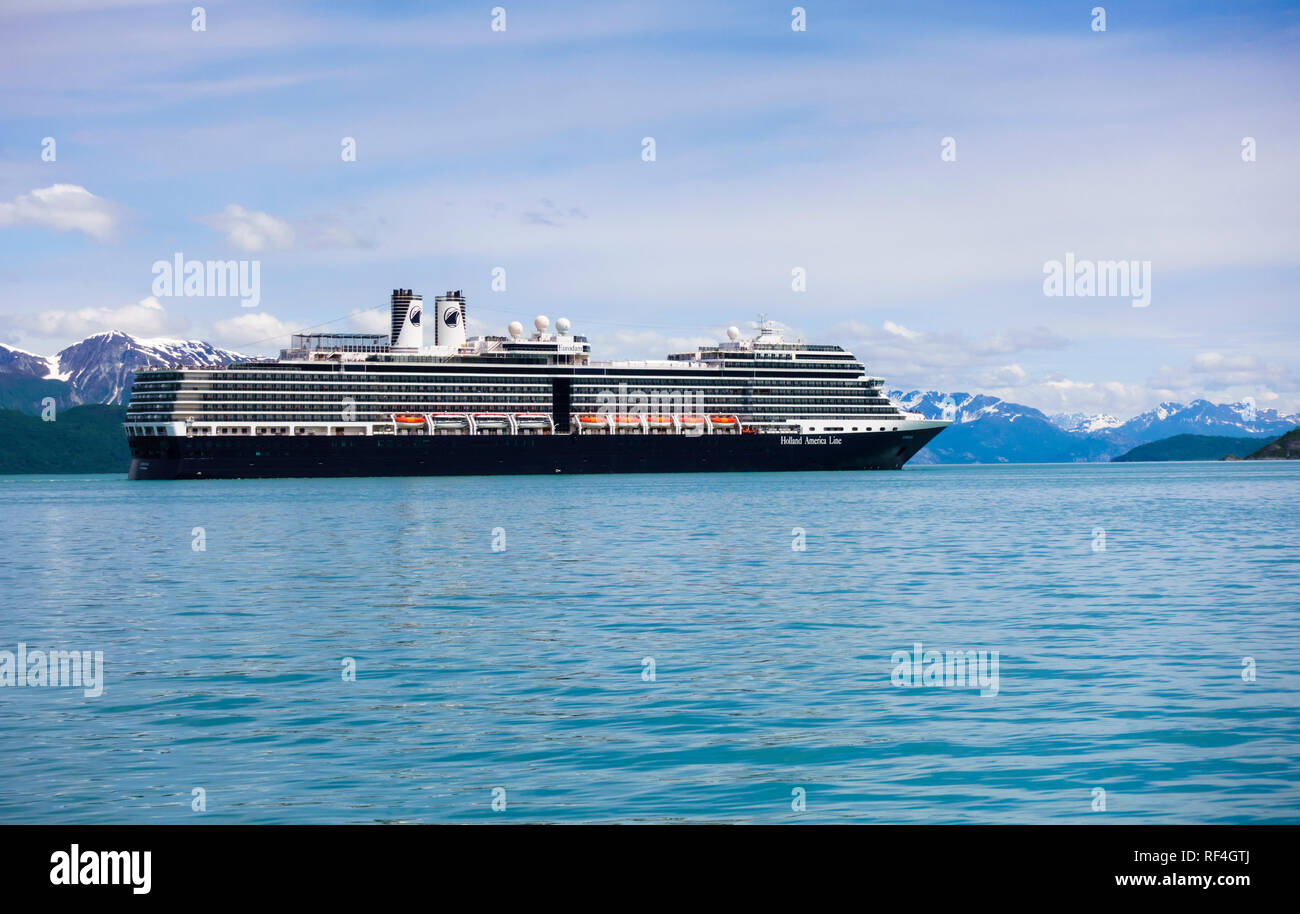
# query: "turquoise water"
523,669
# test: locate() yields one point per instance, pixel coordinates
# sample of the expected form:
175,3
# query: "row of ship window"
579,403
533,396
778,407
242,377
378,417
162,390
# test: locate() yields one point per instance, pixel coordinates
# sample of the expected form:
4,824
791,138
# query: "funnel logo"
415,317
452,317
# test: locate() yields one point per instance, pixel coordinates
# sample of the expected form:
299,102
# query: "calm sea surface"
652,648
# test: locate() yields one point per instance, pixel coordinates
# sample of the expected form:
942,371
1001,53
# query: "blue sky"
775,149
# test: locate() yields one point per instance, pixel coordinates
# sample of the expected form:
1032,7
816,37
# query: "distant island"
1285,448
1190,447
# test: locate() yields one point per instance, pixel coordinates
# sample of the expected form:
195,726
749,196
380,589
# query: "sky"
919,164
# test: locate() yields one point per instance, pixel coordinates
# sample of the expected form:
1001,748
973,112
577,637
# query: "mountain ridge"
988,429
98,369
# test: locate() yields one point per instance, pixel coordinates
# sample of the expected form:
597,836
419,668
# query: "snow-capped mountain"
1084,422
961,407
990,430
964,407
23,363
99,369
102,366
1201,417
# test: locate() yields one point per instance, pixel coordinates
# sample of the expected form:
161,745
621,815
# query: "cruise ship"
349,404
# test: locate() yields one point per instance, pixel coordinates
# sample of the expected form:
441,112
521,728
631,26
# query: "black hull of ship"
238,457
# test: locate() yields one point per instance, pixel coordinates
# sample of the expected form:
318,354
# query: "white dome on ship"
562,325
733,333
516,329
541,323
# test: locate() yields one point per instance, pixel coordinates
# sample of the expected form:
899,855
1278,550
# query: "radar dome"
562,325
516,329
541,323
733,333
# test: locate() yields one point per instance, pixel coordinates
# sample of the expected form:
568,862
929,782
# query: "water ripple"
1119,669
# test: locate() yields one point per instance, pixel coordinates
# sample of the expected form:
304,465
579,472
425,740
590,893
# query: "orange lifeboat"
627,420
660,420
692,420
723,420
592,420
409,420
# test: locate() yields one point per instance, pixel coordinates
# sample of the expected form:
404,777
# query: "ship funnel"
408,326
451,319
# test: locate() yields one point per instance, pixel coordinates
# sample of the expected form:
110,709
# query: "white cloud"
251,230
1220,377
371,320
66,208
953,362
1055,394
146,317
900,330
948,361
255,231
1020,340
1217,362
326,233
1007,376
639,344
255,331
